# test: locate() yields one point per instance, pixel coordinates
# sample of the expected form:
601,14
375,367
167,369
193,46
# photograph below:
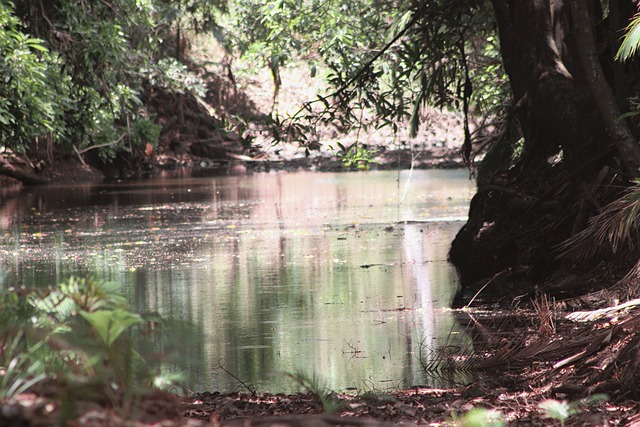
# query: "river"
342,277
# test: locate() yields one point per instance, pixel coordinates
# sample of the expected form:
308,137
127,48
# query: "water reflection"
343,276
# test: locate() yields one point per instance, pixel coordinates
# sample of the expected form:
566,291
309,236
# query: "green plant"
81,330
30,89
316,386
19,374
631,39
356,155
561,410
81,73
557,409
480,417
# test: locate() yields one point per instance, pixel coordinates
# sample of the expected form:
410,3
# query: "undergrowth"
81,337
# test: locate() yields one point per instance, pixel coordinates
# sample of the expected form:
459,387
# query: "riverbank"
206,144
536,367
533,352
536,373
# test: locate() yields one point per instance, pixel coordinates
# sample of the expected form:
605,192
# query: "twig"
110,6
79,155
44,15
245,385
482,289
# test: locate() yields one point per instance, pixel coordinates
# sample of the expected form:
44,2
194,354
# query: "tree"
577,150
77,75
336,35
553,155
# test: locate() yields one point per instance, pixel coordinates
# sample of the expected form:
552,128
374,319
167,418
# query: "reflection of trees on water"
425,318
270,268
434,285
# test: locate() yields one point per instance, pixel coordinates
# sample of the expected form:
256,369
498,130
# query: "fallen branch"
23,173
106,144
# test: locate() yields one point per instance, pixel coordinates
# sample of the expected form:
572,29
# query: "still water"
341,276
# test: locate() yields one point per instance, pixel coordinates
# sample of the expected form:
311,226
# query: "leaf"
555,409
36,44
630,114
631,39
110,324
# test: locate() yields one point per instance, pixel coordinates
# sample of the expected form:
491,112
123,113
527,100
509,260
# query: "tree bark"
569,122
616,128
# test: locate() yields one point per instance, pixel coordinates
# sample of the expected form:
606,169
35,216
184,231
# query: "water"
342,276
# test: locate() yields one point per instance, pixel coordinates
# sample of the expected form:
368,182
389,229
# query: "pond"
338,276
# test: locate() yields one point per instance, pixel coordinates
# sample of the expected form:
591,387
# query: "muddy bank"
235,163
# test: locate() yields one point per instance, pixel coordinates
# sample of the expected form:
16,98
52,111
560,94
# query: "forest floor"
573,371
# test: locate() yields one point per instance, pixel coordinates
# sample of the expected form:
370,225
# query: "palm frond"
617,224
631,39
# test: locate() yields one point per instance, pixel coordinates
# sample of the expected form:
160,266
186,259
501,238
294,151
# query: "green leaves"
79,328
110,324
27,99
383,65
631,40
85,83
19,376
556,409
357,156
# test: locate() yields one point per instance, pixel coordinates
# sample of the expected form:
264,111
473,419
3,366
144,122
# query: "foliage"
82,71
29,81
18,377
79,73
356,155
193,15
80,329
631,40
561,410
384,60
614,227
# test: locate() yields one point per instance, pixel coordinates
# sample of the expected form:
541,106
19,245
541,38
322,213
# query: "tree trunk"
571,129
616,128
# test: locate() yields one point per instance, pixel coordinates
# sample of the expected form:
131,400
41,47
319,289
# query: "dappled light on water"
339,276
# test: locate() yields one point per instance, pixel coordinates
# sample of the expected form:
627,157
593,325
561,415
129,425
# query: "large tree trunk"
572,136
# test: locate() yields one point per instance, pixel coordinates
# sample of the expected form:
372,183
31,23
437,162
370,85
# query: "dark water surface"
342,276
